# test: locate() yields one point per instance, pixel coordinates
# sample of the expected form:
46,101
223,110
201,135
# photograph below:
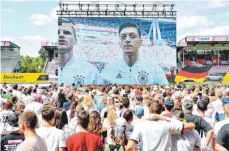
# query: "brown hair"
48,111
8,105
73,109
60,118
83,119
30,119
156,107
128,115
95,125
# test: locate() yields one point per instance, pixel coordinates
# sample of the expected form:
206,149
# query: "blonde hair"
111,115
87,101
218,93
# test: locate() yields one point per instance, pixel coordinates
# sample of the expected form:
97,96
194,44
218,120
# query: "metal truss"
115,9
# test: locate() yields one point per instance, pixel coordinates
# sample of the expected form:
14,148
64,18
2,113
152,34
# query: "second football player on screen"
132,69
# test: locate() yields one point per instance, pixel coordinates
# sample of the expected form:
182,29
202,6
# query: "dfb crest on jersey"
143,77
79,79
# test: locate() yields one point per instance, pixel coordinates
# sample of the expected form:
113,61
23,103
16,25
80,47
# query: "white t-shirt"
210,111
27,100
3,120
217,105
67,131
155,134
35,107
73,125
146,112
68,115
33,144
18,94
195,110
107,125
55,95
53,137
2,101
44,99
185,142
203,139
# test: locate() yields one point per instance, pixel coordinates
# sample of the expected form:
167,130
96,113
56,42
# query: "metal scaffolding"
115,9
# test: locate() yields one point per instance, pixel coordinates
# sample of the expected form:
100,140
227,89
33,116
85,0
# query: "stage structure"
98,36
116,9
51,63
10,57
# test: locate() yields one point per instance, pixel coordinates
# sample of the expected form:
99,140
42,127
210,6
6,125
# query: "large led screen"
116,50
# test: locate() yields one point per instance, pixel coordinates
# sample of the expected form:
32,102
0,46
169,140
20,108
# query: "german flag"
197,74
226,77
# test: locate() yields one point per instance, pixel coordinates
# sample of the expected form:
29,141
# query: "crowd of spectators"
172,117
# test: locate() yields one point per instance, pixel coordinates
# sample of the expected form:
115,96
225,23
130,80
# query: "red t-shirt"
84,141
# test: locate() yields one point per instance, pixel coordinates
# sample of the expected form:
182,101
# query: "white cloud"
6,38
40,19
218,30
217,3
191,22
7,10
32,38
53,13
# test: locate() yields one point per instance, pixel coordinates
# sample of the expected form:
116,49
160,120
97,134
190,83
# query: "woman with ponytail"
119,139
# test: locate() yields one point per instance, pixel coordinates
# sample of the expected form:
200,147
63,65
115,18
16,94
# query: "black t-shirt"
201,125
10,142
223,137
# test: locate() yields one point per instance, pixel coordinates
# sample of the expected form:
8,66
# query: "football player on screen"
132,69
71,69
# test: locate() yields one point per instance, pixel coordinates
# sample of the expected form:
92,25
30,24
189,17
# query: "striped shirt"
185,142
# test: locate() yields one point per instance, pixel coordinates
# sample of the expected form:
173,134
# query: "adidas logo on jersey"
119,76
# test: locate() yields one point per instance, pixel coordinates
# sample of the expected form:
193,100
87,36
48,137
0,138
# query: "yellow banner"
24,77
226,78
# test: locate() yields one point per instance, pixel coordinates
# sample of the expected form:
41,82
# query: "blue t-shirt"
66,105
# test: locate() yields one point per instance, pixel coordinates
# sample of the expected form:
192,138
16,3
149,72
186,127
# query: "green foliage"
31,64
43,53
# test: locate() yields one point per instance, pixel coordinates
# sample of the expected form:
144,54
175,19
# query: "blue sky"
27,22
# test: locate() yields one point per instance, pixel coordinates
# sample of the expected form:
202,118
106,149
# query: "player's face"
129,40
66,39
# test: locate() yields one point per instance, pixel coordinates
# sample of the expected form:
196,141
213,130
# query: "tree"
43,53
31,64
